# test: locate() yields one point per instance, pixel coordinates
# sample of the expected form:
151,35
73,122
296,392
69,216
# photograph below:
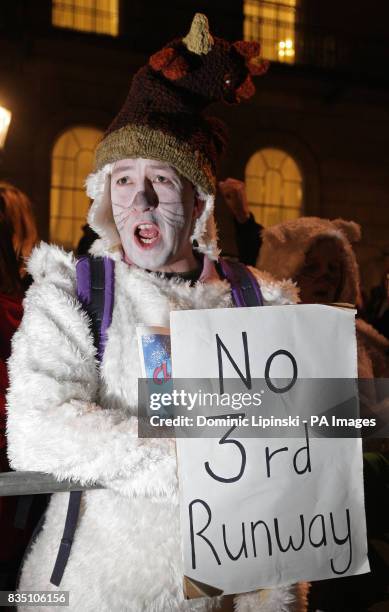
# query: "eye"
227,79
123,180
161,179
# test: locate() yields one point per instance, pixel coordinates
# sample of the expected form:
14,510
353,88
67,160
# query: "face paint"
154,208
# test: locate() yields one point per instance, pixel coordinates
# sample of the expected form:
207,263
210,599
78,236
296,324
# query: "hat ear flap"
350,229
162,58
168,61
250,51
246,89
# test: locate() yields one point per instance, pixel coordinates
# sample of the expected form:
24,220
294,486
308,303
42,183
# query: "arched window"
274,187
72,161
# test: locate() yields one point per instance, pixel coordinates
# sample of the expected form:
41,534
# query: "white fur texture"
63,420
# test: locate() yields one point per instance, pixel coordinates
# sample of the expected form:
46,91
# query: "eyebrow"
155,166
161,166
122,169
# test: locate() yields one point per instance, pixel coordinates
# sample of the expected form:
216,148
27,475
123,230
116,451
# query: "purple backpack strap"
245,288
95,291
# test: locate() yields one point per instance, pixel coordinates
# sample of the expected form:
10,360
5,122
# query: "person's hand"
234,194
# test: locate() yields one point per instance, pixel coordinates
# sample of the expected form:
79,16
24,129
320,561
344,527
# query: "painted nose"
146,199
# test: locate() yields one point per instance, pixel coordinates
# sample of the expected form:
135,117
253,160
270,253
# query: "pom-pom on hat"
164,117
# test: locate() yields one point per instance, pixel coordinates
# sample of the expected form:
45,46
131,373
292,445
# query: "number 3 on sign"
226,440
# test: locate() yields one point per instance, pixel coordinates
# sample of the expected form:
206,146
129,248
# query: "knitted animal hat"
164,118
284,247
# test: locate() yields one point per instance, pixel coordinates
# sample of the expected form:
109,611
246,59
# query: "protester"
87,239
18,211
153,190
318,255
247,230
16,221
377,307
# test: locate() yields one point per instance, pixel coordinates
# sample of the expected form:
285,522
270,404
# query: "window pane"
63,170
274,187
84,163
292,194
100,16
72,161
273,25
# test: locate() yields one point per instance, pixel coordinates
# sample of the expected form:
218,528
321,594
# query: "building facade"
312,141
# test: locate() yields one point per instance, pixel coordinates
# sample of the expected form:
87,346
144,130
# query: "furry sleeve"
292,598
275,291
53,424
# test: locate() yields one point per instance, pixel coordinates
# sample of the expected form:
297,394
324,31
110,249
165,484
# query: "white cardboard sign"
278,523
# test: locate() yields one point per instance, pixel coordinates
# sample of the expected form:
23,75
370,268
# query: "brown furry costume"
283,254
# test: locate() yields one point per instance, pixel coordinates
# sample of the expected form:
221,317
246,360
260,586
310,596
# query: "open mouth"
146,235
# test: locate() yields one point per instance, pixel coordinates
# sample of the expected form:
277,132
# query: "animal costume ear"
168,61
199,39
275,235
246,89
255,65
350,229
250,50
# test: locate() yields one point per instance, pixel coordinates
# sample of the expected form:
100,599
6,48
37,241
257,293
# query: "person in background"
318,255
18,212
87,239
247,230
18,235
377,308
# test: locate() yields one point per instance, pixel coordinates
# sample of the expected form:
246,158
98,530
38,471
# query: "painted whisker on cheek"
170,223
118,205
168,203
168,214
121,225
121,218
121,213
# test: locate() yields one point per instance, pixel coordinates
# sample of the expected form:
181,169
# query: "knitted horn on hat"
164,118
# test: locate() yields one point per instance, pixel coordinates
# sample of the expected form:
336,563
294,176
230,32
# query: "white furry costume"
64,420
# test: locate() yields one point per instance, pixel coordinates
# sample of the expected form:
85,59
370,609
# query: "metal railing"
34,483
